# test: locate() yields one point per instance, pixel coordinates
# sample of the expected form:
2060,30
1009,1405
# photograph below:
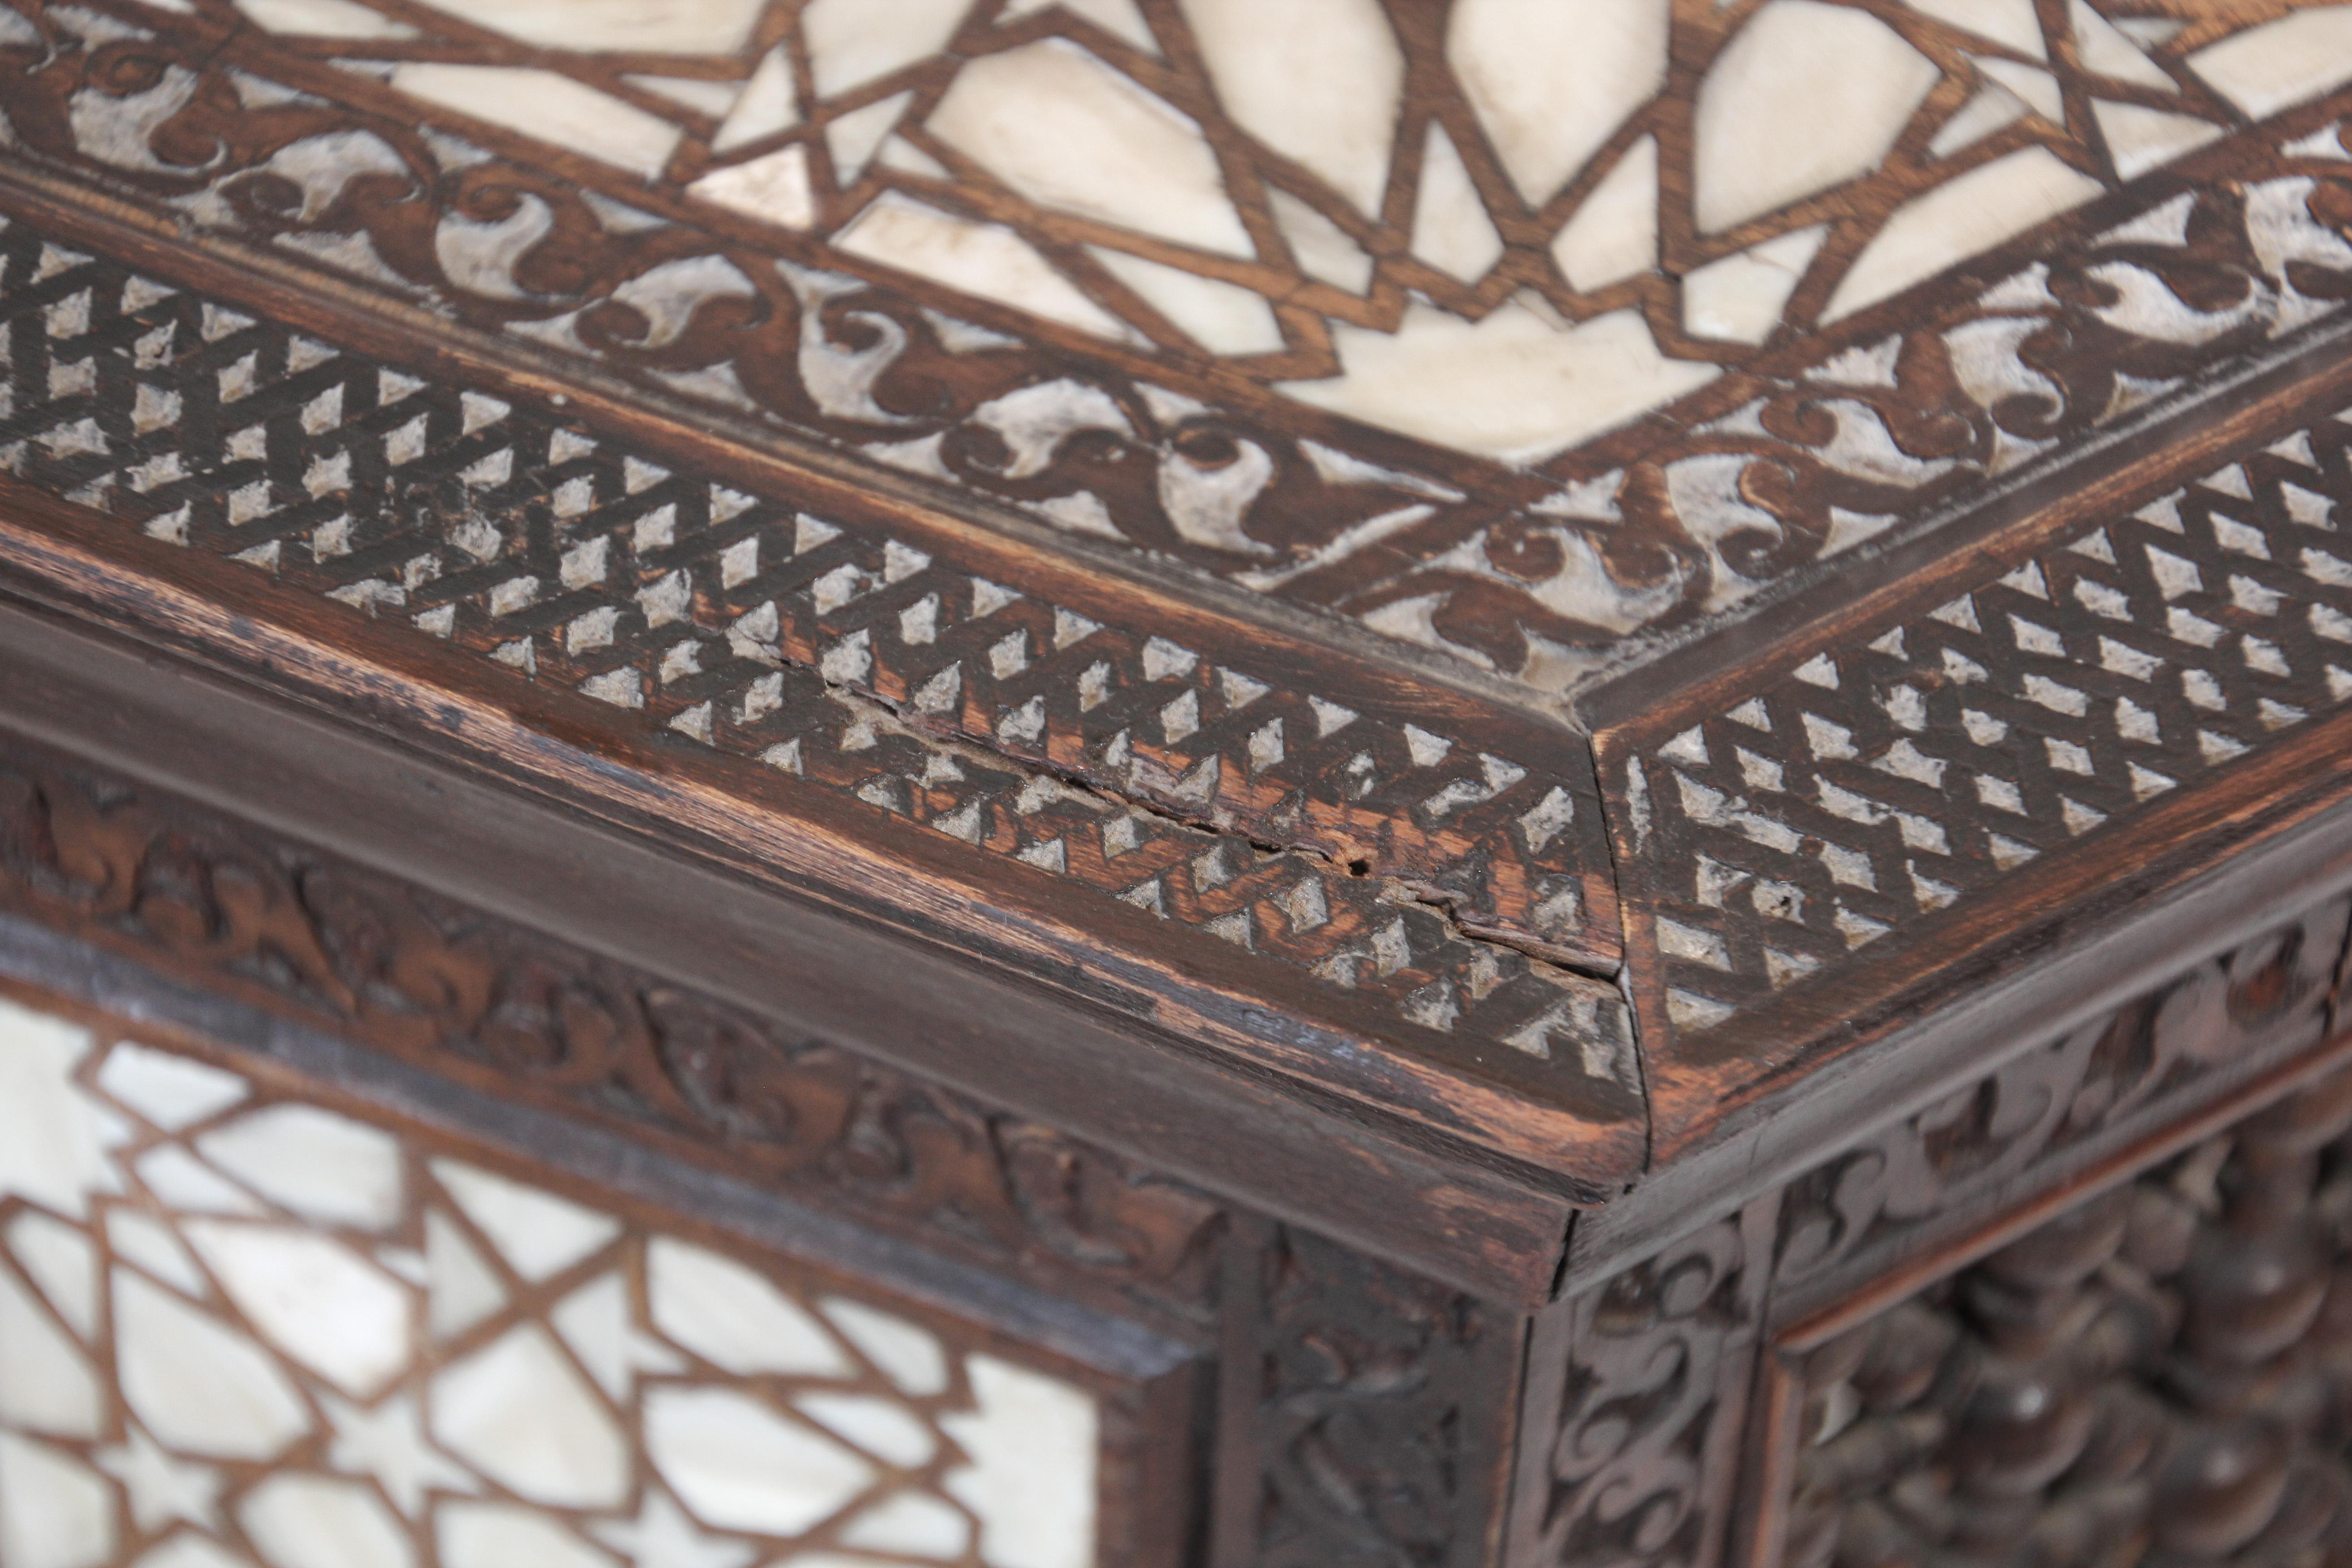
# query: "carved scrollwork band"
452,991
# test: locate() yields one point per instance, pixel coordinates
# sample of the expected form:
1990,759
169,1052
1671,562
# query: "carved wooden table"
1036,783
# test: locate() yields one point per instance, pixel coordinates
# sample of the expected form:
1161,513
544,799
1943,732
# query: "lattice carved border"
1859,800
1378,859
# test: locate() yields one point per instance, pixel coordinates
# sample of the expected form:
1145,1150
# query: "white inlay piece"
1513,387
661,1536
915,1523
554,109
185,1551
2102,49
1550,79
729,1316
672,28
310,1521
739,1465
343,1319
1321,246
883,1427
160,1489
46,1382
1808,94
697,93
767,104
1118,17
852,139
773,188
1993,107
1064,128
983,259
1031,1479
1317,80
594,1321
537,1233
1614,234
50,1149
909,1356
851,42
2140,138
494,1535
144,1240
183,1185
2263,70
903,155
461,1288
171,1092
324,19
2011,22
2036,88
62,1261
387,1444
197,1384
520,1414
1451,230
1223,318
54,1512
1958,219
1740,298
323,1166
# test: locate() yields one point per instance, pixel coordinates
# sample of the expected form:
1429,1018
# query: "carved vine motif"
445,988
1657,1362
737,622
2264,998
1817,446
2164,1374
1370,1377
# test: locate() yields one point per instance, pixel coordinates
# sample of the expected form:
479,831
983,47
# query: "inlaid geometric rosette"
1484,327
240,1329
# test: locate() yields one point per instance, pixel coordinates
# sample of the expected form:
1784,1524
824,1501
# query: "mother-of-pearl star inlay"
242,1330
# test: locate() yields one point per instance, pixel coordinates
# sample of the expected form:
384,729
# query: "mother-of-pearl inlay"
358,1354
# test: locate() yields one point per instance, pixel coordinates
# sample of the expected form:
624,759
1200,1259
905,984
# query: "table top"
1548,572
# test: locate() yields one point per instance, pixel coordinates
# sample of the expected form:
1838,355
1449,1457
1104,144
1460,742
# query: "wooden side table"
824,784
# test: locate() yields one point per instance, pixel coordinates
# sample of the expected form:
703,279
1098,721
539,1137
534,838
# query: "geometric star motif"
661,1536
389,1445
162,1488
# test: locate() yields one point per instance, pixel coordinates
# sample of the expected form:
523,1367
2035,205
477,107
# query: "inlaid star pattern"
162,1489
388,1445
662,1536
521,1426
